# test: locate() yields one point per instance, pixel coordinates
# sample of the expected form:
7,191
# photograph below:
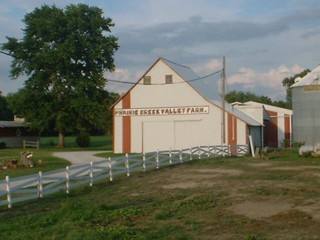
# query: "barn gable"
164,111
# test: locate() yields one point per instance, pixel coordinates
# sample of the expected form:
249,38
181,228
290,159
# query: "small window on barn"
168,79
147,80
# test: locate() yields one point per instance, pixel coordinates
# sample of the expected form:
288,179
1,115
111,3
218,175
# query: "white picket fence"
14,190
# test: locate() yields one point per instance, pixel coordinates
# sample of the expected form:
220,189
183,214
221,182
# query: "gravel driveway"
76,158
79,157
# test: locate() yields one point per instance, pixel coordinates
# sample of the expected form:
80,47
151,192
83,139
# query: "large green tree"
289,81
64,53
239,96
6,113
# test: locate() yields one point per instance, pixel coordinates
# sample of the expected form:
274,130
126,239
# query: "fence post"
144,162
8,192
40,186
190,153
157,159
127,165
91,174
208,154
180,156
67,179
199,154
170,157
110,169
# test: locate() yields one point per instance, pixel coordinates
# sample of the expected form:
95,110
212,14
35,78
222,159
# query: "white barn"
163,111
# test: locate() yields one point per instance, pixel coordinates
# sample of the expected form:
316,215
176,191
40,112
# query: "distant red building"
12,133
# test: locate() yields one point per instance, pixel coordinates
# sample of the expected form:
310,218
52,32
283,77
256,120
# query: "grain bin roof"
312,78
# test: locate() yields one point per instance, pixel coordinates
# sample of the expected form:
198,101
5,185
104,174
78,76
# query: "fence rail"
30,143
14,190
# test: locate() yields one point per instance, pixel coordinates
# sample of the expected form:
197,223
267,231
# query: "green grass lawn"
219,198
42,157
96,142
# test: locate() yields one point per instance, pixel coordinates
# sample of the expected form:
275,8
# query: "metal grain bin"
306,109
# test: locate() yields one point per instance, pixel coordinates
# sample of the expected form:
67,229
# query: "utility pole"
223,95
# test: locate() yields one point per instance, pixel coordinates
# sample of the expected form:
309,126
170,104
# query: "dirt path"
256,198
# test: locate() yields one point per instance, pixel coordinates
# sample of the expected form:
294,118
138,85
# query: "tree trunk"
61,140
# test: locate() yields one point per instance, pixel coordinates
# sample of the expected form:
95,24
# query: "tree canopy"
239,96
64,53
5,112
289,81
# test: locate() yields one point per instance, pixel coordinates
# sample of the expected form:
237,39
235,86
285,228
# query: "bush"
3,145
83,139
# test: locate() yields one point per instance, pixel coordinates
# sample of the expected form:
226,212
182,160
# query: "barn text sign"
161,111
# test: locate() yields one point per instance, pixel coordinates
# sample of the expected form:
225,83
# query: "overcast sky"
263,41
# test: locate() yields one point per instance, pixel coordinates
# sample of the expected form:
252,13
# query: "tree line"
239,96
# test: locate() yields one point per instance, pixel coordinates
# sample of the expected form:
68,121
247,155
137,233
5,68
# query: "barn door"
157,136
186,134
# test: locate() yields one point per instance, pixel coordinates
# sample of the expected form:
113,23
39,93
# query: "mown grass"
42,157
96,143
143,207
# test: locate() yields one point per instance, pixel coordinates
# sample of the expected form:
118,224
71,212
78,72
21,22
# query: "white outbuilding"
277,122
164,110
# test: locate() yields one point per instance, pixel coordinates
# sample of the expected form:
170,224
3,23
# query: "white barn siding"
281,130
157,135
169,95
242,128
187,133
117,132
145,131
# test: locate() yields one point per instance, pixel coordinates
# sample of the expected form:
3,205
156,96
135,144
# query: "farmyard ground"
230,198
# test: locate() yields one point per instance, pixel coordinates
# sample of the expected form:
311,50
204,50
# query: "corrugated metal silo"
306,108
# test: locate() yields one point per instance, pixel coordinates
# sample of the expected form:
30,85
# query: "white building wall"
242,132
150,137
254,112
175,131
117,133
202,126
281,128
